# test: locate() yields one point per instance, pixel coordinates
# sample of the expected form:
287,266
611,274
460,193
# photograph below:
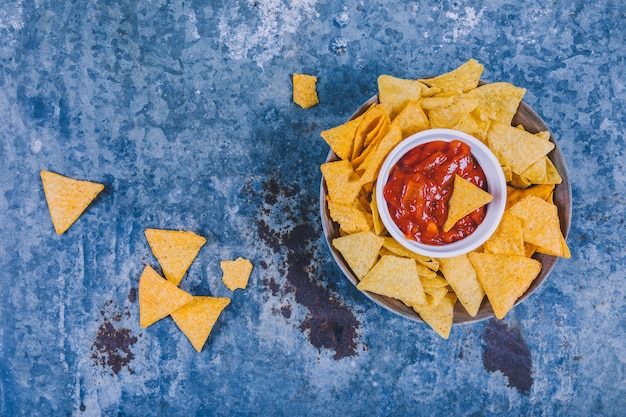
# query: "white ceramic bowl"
496,185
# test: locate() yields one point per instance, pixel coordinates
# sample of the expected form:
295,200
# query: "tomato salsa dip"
420,184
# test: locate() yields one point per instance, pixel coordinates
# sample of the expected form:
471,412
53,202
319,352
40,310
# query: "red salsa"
420,185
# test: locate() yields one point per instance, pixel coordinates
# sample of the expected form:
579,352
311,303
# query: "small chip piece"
197,318
304,90
158,297
236,273
175,250
504,278
395,277
466,197
67,198
360,250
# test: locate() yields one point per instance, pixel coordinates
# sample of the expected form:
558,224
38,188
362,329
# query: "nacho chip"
543,191
459,80
436,294
371,165
393,246
197,318
175,250
438,316
236,273
516,148
340,138
67,198
540,221
158,297
498,101
341,180
504,278
394,93
508,237
304,91
350,218
449,116
360,251
395,277
379,227
412,119
473,126
461,276
465,198
373,121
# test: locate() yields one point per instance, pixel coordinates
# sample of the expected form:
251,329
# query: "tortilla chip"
304,90
197,318
461,276
438,316
516,148
371,166
350,218
393,246
498,101
459,80
504,278
341,180
465,198
360,251
340,138
449,116
395,277
540,221
67,198
543,191
394,93
158,297
508,237
412,119
175,250
236,273
373,121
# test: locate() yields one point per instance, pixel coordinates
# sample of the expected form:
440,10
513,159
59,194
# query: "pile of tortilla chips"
161,297
502,269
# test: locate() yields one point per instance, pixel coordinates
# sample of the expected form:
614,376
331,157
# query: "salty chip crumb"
236,273
304,90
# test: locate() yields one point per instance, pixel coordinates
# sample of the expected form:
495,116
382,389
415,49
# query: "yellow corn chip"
379,227
350,218
540,221
67,198
449,116
340,138
372,164
465,198
393,246
342,182
395,277
236,273
516,148
412,119
504,278
459,80
544,191
474,126
304,90
508,237
158,297
360,251
197,318
498,101
438,316
394,93
175,250
373,120
462,277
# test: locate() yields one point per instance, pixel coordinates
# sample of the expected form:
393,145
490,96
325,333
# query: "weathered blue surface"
183,110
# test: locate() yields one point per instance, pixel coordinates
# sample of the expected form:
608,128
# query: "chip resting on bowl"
466,198
67,198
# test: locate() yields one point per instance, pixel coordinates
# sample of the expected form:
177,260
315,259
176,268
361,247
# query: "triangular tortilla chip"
465,198
158,297
394,93
374,119
498,101
374,161
508,238
516,148
395,277
350,218
67,198
504,278
342,182
459,80
461,276
197,318
175,250
236,273
360,251
412,119
438,315
340,138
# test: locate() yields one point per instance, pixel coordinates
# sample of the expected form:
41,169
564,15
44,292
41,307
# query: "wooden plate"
562,198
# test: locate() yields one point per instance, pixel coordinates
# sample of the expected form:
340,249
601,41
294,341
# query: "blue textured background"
183,110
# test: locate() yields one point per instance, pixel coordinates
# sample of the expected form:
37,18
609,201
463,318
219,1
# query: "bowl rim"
496,183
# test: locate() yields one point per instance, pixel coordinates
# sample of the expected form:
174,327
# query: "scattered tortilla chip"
504,278
197,318
459,80
342,182
236,273
360,250
465,198
540,221
340,138
395,277
498,101
438,316
394,93
462,277
304,90
67,198
175,250
516,148
508,237
350,218
158,297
